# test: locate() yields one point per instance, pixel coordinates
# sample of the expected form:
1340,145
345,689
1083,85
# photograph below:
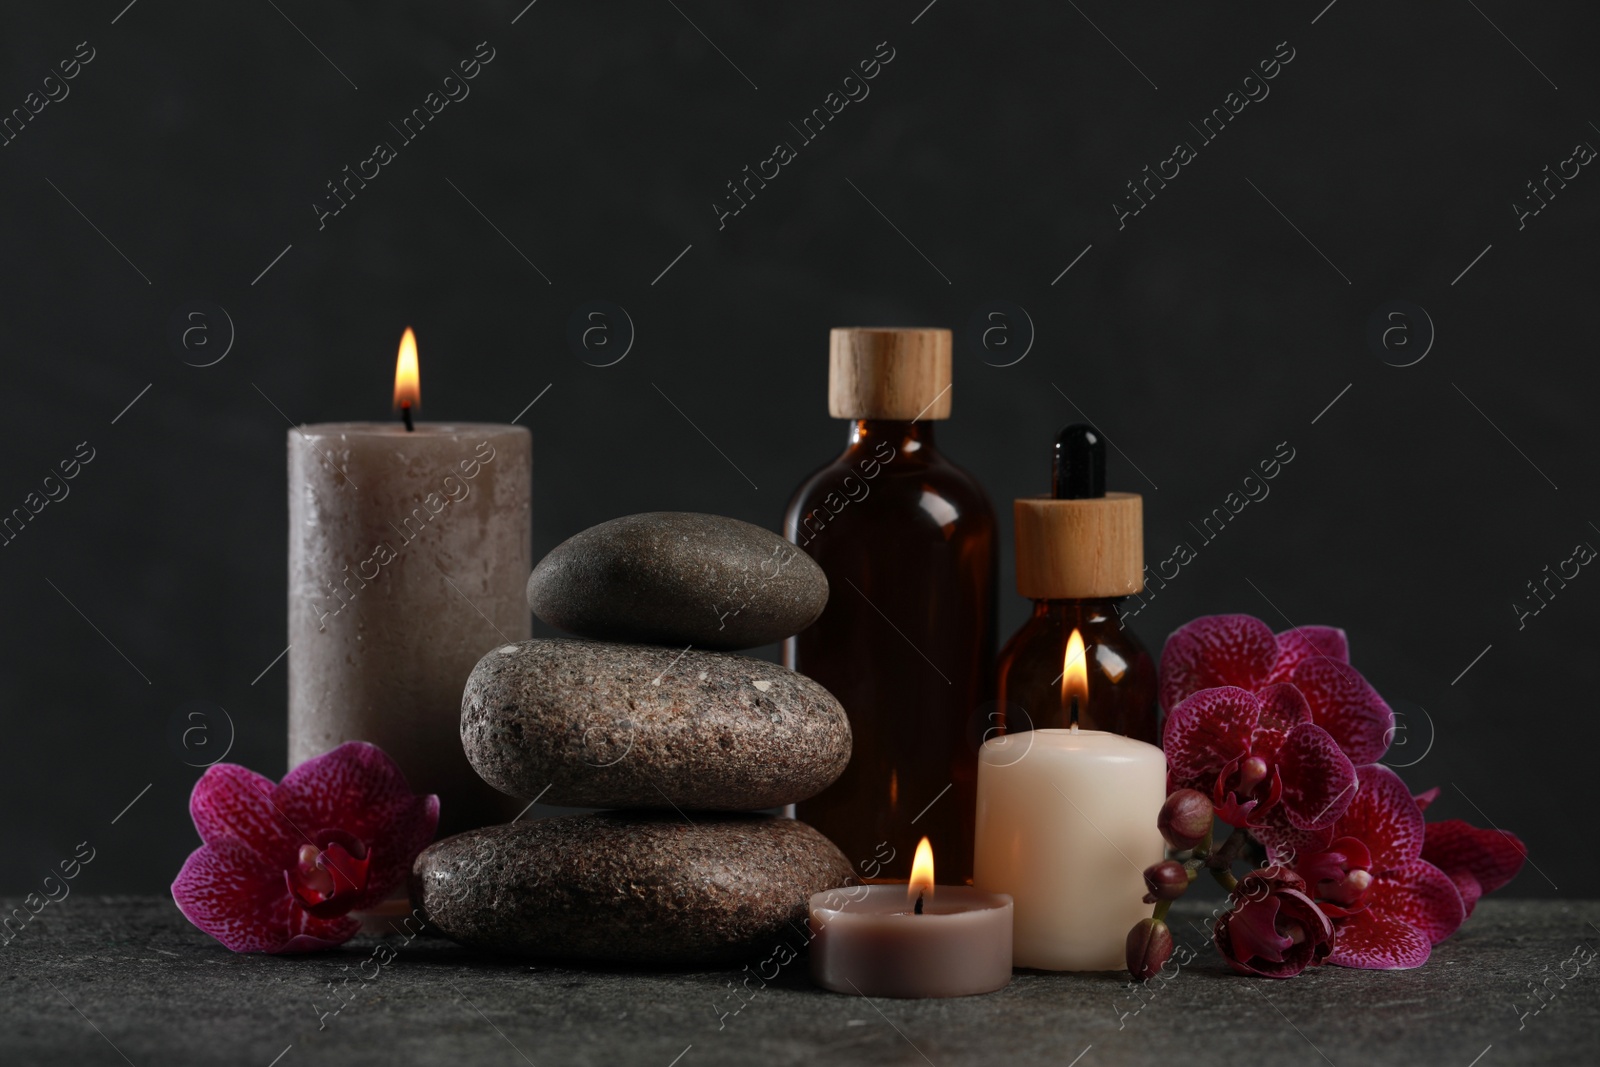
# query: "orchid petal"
230,801
1208,730
1304,642
1383,815
1285,844
355,787
1319,781
1488,859
1344,704
1216,650
407,834
1421,894
1469,888
1379,942
230,892
1254,931
1283,707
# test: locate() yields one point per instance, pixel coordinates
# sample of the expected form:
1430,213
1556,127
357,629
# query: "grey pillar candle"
408,555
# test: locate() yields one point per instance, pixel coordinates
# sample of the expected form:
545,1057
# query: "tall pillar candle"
1066,826
408,554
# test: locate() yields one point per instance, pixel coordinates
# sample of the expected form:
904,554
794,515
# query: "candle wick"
918,909
1074,711
405,415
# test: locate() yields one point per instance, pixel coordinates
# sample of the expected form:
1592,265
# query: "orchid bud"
1185,819
1165,881
1149,947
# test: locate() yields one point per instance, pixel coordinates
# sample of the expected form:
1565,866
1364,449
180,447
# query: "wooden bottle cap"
1077,549
888,374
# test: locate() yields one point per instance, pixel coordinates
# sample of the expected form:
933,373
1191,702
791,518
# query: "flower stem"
1221,861
1231,849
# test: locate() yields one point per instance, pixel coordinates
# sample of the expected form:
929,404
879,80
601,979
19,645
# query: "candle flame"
921,873
407,379
1074,672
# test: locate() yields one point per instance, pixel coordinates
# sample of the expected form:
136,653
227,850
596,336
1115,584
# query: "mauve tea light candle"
914,940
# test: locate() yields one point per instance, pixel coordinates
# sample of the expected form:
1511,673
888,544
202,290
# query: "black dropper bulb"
1079,470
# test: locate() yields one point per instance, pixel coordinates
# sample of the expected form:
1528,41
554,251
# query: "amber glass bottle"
1079,553
907,540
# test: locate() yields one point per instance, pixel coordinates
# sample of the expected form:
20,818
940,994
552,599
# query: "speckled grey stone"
627,887
678,578
596,724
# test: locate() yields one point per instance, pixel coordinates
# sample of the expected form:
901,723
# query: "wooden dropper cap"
1082,542
901,374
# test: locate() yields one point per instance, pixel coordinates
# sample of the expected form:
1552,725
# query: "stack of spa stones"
650,715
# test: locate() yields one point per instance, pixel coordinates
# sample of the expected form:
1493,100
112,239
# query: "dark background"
1199,337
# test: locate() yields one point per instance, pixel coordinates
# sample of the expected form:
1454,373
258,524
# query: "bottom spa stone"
627,887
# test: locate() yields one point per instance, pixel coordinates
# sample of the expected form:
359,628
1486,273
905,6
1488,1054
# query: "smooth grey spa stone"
678,578
597,724
627,887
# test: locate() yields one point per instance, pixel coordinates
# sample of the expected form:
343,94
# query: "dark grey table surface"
114,980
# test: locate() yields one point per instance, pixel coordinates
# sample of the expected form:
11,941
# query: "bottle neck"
908,438
1089,611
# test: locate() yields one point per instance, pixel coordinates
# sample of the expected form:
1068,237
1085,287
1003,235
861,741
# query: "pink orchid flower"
1478,861
1241,650
1366,871
283,864
1273,929
1257,755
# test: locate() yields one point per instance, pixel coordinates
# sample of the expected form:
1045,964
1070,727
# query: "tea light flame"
921,885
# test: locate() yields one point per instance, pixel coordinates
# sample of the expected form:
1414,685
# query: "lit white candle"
1066,825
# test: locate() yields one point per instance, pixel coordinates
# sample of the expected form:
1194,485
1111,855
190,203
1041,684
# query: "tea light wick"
405,417
918,909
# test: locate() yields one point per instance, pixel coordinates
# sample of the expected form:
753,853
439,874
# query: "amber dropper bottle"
907,540
1080,552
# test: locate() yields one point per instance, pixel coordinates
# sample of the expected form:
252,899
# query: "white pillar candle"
408,556
1066,825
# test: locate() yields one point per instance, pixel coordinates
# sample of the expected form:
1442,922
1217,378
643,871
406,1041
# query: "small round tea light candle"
914,940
